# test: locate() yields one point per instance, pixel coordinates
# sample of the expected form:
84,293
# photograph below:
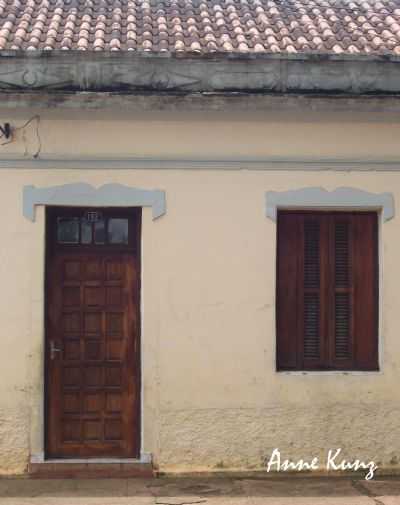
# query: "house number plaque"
93,216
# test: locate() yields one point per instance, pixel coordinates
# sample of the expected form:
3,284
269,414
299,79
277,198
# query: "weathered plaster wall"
212,397
205,136
14,439
245,437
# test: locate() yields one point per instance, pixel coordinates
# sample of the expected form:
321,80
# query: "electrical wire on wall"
7,132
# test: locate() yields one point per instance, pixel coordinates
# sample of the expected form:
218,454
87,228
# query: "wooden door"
92,334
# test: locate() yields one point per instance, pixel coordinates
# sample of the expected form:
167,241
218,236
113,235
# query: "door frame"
134,242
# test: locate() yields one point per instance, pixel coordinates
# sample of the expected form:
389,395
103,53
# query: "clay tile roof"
202,26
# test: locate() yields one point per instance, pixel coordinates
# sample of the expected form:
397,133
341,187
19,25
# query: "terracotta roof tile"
203,26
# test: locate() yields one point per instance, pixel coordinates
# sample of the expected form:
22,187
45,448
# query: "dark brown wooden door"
92,337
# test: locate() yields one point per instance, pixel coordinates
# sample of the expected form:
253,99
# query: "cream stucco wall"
212,398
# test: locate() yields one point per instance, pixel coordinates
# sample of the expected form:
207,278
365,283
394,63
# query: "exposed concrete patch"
14,444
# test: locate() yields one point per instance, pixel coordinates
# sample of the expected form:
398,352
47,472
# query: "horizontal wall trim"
297,106
297,164
376,108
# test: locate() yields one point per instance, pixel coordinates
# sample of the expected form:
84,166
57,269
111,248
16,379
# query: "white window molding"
83,194
340,198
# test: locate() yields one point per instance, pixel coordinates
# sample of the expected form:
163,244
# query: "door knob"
53,349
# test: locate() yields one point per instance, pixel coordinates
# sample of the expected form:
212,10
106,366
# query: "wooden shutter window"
311,326
311,254
311,306
327,291
342,326
343,289
342,253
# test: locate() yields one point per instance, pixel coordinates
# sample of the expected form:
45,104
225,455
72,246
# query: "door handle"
53,350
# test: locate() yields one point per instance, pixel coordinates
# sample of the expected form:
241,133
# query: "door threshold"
91,468
145,457
121,461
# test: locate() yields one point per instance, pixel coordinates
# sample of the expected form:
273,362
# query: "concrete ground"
201,490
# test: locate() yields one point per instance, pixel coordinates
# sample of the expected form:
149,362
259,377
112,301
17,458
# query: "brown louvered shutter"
311,309
365,285
327,291
286,291
341,329
311,327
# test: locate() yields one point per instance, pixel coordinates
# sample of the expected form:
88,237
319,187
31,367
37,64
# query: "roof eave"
130,72
90,55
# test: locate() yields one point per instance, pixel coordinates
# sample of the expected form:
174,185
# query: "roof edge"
73,71
196,56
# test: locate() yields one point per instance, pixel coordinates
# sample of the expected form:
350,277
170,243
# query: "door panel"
92,363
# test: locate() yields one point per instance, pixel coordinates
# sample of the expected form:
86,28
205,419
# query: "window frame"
326,366
129,213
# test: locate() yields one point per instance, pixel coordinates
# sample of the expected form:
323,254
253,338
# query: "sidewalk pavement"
201,490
